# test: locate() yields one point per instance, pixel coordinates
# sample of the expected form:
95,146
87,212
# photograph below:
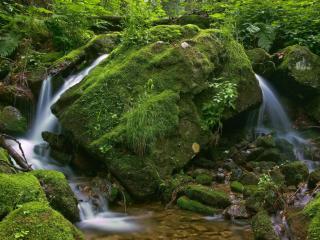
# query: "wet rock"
195,206
208,196
314,179
12,121
295,173
59,193
236,211
262,227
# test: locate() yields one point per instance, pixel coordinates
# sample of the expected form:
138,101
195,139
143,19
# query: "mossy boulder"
12,121
36,220
249,178
262,62
262,227
17,189
59,193
237,187
204,179
194,206
5,162
144,106
208,196
295,173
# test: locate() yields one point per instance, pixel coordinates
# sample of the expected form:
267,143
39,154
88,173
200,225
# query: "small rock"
185,45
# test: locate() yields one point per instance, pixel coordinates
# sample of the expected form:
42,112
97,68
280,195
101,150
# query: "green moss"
59,193
195,206
295,172
208,196
37,220
262,227
237,187
18,189
204,179
4,161
312,210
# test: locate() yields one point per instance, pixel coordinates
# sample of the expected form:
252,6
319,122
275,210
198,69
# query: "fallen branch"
19,159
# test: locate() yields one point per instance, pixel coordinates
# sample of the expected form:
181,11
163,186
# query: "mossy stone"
295,173
36,220
17,189
12,121
204,179
191,205
237,187
59,193
262,62
208,196
5,162
249,178
262,227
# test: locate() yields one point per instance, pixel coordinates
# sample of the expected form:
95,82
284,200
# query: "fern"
266,37
8,44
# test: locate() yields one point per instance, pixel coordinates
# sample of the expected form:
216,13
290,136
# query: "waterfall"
273,118
94,213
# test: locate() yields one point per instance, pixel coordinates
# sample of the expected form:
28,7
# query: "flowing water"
273,118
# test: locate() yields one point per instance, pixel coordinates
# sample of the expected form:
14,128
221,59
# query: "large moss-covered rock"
59,193
191,205
12,121
295,172
144,106
208,196
37,220
17,189
262,227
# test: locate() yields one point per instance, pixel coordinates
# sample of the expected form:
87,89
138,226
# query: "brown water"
160,223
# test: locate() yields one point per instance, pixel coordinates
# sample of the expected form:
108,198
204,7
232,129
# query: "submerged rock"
17,189
59,193
145,107
36,220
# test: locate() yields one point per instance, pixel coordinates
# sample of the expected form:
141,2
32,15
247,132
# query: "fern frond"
8,44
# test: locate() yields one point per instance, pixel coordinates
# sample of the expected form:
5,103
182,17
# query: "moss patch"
59,193
37,220
187,204
18,189
4,161
262,227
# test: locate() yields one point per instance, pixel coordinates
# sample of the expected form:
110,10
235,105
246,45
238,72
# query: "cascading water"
273,118
94,213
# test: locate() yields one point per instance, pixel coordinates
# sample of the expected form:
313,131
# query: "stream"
148,221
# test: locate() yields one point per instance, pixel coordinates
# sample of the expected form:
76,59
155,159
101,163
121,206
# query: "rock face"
37,220
145,107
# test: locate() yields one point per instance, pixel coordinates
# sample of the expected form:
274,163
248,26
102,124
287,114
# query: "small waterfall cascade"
94,212
272,118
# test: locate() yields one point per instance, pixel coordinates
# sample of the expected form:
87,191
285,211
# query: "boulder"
59,193
12,121
237,187
152,103
236,211
191,205
262,227
249,178
208,196
17,189
204,179
36,220
295,173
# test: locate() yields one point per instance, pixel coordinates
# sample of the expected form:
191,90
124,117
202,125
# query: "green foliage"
154,116
312,210
224,98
